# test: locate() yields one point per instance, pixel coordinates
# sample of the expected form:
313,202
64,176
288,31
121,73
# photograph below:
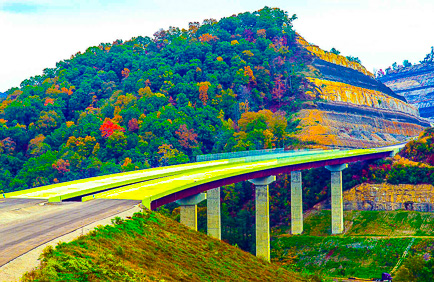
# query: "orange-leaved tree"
61,166
203,91
125,73
108,127
206,37
187,138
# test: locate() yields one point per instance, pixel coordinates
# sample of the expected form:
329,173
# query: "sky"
35,35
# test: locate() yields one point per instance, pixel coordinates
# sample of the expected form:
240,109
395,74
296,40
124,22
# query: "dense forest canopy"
219,86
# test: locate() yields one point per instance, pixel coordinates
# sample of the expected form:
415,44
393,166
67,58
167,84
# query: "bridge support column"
213,213
336,193
296,203
262,207
189,209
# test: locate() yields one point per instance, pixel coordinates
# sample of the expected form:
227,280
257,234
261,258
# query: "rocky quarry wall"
351,108
389,197
416,84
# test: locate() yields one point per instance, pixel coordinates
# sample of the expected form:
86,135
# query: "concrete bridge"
186,184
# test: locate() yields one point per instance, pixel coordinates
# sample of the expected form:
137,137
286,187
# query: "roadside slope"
373,242
152,247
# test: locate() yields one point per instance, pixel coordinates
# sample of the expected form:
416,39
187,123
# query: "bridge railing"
255,155
233,155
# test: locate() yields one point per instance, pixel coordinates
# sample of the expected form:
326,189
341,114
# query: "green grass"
150,247
344,256
372,243
372,223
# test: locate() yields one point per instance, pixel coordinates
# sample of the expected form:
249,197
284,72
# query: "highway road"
46,222
73,189
175,187
16,204
26,224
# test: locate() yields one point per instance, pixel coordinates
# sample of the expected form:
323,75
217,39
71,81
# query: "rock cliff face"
352,108
416,84
390,197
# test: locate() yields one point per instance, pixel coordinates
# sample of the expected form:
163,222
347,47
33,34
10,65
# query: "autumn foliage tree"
49,101
125,73
108,128
37,146
207,37
264,129
279,88
133,125
83,146
170,155
187,138
61,166
203,91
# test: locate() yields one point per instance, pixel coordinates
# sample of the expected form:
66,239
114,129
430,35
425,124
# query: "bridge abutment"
213,213
189,210
336,195
296,203
262,207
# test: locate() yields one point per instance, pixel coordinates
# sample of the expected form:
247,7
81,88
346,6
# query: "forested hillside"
237,84
413,165
217,87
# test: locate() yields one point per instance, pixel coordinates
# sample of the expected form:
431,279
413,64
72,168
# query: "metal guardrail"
242,154
259,155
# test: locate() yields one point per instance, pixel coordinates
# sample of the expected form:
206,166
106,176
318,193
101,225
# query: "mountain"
351,108
244,82
218,86
415,83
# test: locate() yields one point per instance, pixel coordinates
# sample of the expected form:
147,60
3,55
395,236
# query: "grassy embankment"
373,242
150,247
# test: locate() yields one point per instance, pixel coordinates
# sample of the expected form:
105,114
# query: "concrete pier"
189,209
296,203
213,213
336,194
262,206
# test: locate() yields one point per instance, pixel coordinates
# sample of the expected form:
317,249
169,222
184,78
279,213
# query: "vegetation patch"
373,242
150,247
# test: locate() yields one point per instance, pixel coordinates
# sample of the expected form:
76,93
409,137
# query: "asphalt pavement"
14,204
17,238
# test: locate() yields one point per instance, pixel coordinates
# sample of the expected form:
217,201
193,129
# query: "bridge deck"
161,191
165,184
63,191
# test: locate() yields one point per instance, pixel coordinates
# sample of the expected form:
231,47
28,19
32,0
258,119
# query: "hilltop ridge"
245,82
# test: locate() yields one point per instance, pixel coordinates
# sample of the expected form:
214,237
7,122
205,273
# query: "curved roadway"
154,187
155,193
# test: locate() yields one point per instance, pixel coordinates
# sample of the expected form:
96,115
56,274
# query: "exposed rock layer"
390,197
352,108
416,84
